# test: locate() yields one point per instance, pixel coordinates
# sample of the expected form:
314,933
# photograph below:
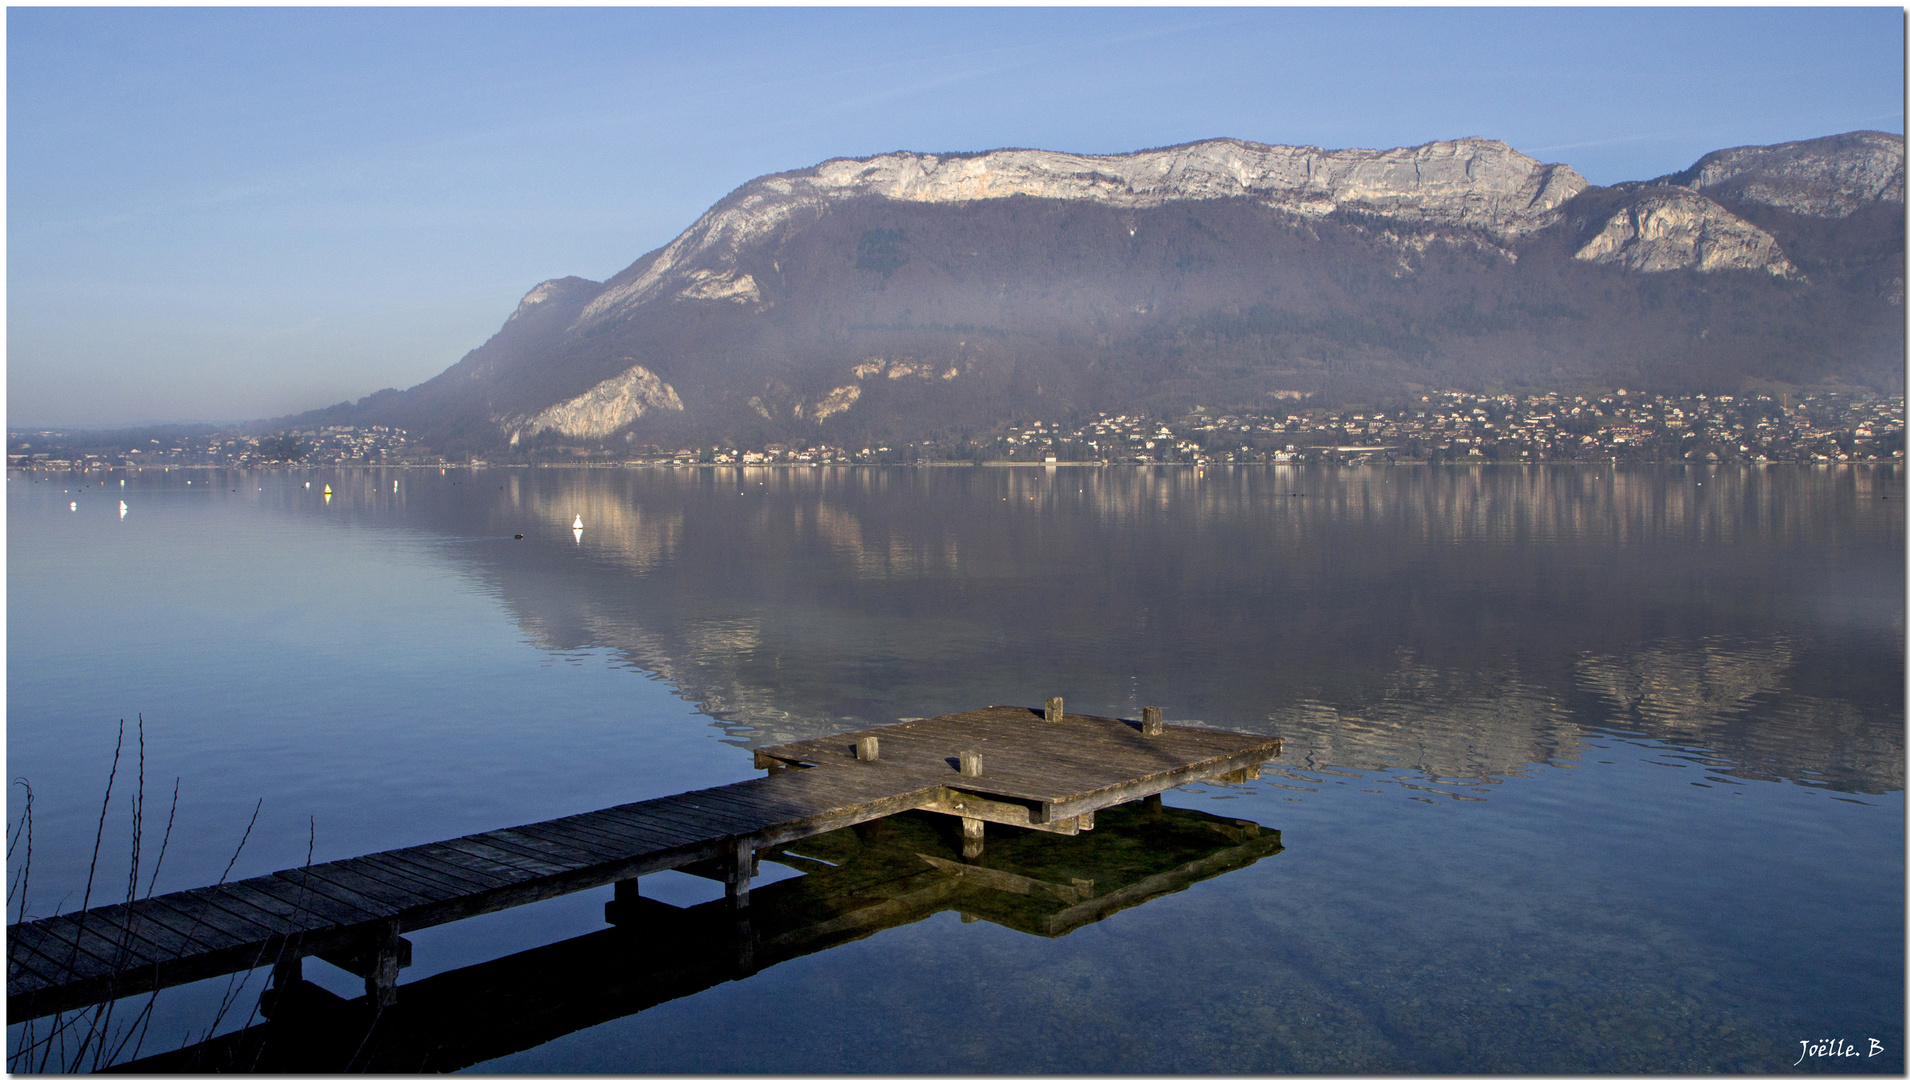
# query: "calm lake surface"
1586,769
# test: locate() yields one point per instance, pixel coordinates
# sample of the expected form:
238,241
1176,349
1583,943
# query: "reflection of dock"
857,882
1004,765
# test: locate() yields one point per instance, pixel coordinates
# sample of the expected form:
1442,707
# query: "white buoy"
308,485
75,507
579,523
394,485
122,508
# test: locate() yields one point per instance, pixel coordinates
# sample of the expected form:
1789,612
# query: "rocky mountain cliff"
914,295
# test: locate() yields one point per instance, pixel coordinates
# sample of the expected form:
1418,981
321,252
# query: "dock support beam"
381,976
739,865
972,837
288,970
623,903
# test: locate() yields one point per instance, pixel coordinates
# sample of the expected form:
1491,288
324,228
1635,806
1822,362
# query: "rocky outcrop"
1670,228
1831,177
1479,184
603,408
551,293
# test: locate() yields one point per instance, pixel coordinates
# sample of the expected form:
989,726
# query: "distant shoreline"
808,466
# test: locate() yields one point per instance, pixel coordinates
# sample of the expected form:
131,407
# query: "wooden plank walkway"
1032,772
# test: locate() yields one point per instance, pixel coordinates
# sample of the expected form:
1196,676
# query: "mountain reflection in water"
855,883
1461,623
1585,770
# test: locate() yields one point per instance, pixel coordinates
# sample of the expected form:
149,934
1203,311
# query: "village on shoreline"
1447,426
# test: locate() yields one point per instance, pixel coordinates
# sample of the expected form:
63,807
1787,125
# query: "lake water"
1586,769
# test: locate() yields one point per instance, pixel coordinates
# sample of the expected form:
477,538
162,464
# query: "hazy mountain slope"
909,294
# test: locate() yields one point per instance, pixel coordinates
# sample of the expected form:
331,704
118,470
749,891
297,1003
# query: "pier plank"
116,929
570,856
303,898
638,830
294,918
50,971
29,951
24,977
468,860
570,835
551,853
315,879
340,876
506,855
204,937
411,861
430,889
209,919
82,952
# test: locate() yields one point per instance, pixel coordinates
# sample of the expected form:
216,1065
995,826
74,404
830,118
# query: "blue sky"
227,214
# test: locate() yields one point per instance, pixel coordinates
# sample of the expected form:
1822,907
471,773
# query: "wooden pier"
1041,770
856,883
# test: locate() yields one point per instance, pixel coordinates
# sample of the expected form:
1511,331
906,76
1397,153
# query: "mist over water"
1586,769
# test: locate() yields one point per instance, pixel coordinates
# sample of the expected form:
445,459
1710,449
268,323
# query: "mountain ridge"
910,294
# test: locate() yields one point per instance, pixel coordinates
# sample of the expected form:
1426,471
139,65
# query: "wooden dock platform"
1035,769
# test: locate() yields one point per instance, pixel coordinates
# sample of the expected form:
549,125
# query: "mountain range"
926,296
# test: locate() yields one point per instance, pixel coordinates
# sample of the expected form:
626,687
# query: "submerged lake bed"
1586,768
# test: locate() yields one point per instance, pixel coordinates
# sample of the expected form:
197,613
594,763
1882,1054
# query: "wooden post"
972,837
740,862
743,944
867,749
288,971
1054,710
1152,804
381,976
622,905
739,857
1151,720
971,763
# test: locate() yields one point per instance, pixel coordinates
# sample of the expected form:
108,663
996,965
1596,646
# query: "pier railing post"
867,748
1054,710
971,762
1151,720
